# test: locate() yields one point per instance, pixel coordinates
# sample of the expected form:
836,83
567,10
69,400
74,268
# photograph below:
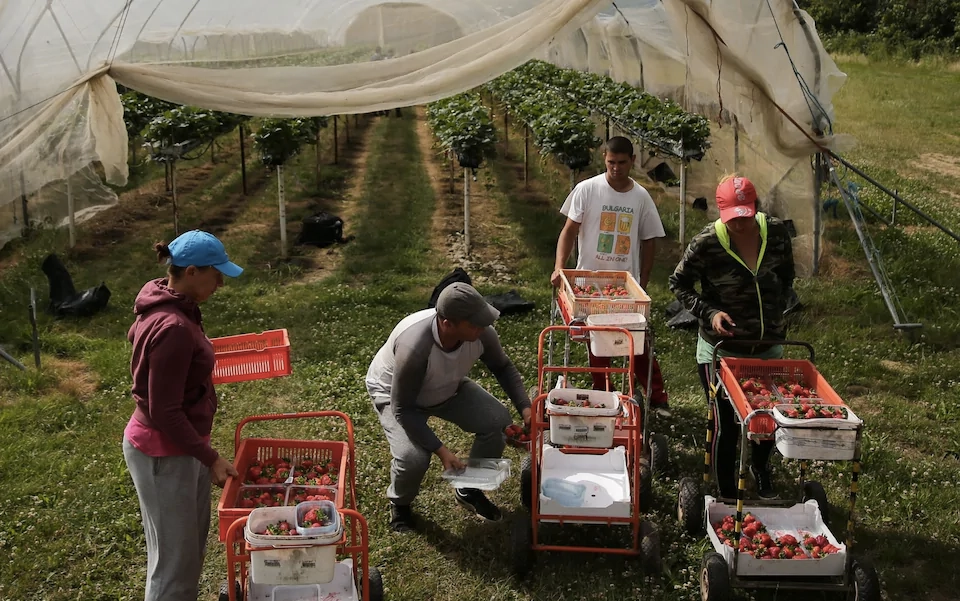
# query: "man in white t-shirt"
615,224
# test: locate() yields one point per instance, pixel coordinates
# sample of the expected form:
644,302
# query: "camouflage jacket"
755,302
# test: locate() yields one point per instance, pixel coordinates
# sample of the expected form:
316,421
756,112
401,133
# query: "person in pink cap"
743,265
166,443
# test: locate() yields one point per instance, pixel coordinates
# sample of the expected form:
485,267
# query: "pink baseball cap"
736,197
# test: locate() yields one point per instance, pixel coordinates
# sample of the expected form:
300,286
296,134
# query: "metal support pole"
736,145
683,201
453,170
466,210
526,157
283,213
10,359
346,128
243,161
23,204
817,211
506,134
893,217
176,208
336,143
33,325
72,221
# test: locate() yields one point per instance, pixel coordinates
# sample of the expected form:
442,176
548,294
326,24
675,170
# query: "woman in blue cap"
166,443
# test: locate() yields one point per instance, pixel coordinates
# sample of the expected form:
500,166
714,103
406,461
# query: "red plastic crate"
251,356
733,369
262,449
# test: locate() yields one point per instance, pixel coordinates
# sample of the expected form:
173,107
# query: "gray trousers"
472,409
174,495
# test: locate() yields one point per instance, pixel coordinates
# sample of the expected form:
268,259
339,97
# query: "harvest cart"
794,528
576,312
586,463
353,578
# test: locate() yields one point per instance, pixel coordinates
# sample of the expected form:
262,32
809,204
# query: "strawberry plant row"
462,124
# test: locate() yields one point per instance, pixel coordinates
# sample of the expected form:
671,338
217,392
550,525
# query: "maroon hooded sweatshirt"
172,368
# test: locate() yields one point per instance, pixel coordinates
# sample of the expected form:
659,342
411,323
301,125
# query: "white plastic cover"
59,61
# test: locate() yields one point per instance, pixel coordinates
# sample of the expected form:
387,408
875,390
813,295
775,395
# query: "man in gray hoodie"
421,371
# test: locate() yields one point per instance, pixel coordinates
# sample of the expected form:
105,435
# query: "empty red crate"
263,449
251,356
733,369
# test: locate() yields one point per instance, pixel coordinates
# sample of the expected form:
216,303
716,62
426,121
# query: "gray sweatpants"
472,409
174,495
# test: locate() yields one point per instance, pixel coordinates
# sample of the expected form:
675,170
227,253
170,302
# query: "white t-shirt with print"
612,224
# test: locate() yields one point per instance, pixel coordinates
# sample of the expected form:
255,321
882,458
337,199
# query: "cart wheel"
376,585
650,547
225,591
866,584
521,541
812,490
646,488
659,453
690,507
526,481
714,578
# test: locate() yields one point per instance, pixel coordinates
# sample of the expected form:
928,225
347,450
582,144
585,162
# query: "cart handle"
279,416
712,368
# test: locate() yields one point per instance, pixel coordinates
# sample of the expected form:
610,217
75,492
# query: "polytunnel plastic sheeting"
59,110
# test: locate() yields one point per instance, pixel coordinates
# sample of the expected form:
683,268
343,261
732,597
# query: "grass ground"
68,514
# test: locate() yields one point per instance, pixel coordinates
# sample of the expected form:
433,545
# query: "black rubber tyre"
225,591
376,585
866,583
690,507
526,481
650,547
646,489
521,541
714,578
658,453
813,490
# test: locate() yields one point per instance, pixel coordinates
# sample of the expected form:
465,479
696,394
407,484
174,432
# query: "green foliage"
560,126
462,124
279,140
139,110
170,133
908,28
557,104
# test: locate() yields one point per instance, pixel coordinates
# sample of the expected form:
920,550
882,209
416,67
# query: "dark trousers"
641,366
725,458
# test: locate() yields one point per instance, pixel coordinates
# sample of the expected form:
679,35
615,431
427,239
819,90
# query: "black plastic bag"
321,229
510,303
61,284
64,300
457,275
85,304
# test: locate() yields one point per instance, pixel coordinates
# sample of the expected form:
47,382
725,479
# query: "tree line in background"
899,28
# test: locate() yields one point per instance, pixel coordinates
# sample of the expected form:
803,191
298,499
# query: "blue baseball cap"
202,249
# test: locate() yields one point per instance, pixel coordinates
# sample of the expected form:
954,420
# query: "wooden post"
176,208
346,128
608,129
72,221
736,145
817,211
283,213
243,161
526,157
336,143
317,148
466,210
506,134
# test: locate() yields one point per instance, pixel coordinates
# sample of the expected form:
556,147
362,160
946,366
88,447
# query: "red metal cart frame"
356,545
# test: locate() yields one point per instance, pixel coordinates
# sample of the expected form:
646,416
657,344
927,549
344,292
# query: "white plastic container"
604,478
482,474
303,592
779,520
328,508
289,559
583,426
616,344
342,587
816,444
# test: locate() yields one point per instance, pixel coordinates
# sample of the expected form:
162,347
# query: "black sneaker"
662,409
477,502
764,484
401,518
